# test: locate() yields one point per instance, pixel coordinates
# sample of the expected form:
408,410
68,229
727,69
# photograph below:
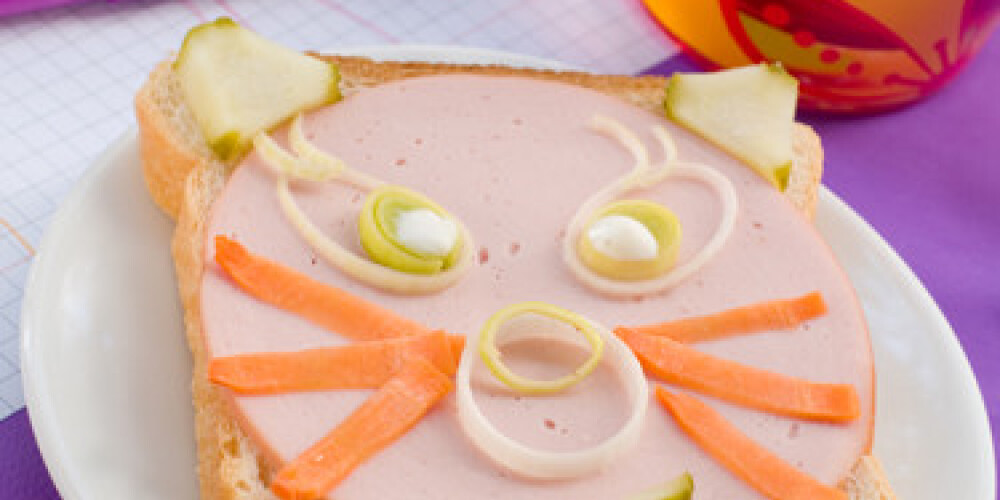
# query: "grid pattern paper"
67,77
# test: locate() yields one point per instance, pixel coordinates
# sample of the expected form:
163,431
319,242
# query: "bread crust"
184,178
171,147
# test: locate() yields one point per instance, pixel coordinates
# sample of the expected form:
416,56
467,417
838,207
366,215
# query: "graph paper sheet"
67,77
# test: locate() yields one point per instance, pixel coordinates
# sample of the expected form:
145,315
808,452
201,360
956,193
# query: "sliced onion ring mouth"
544,464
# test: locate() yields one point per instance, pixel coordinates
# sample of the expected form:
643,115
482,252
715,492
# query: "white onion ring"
364,270
315,165
643,175
308,152
542,464
279,159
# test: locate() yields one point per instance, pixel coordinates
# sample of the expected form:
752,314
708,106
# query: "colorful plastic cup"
849,55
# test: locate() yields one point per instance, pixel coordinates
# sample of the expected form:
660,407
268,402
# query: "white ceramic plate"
106,368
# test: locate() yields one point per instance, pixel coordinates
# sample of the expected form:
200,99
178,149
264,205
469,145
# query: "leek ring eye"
380,231
490,352
658,220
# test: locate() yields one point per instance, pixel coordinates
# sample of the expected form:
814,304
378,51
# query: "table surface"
925,176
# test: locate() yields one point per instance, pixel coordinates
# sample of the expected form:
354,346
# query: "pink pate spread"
514,158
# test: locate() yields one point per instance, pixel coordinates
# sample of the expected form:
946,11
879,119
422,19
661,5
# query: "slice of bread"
184,177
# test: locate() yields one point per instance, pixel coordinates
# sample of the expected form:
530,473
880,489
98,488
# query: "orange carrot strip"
362,365
741,384
751,462
383,418
770,315
325,305
457,347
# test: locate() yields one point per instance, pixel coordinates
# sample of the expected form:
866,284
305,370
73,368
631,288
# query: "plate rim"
38,407
53,449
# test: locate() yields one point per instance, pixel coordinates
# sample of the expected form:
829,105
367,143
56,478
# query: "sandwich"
419,280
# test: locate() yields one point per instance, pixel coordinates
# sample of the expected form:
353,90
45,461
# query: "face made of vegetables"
416,247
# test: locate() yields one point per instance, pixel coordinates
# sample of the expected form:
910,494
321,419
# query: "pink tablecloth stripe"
9,7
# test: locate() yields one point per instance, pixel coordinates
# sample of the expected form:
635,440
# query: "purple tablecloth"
22,473
926,177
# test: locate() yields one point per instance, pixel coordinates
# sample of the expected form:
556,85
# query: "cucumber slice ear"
749,112
237,83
